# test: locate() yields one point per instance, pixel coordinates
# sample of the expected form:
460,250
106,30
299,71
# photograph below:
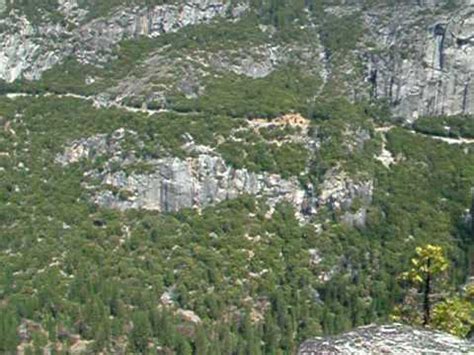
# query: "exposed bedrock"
424,68
27,49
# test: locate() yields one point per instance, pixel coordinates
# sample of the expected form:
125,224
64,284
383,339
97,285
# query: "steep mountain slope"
226,176
419,58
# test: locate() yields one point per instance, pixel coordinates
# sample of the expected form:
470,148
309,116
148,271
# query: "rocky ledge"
388,339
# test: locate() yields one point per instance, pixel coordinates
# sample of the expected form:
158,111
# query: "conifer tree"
141,331
428,264
8,335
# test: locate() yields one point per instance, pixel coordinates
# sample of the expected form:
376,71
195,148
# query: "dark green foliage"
8,334
216,35
36,10
238,96
257,155
340,34
141,332
447,126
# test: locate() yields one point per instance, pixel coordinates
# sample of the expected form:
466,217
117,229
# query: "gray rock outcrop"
387,339
198,182
28,49
202,179
342,194
22,50
424,62
170,183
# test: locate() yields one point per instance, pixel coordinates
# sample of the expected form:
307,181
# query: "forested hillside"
208,177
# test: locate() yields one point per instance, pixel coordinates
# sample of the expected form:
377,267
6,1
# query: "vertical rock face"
27,49
22,52
175,184
205,180
343,195
425,69
102,34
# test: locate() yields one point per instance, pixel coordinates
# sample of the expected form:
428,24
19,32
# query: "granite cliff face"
426,61
193,183
28,49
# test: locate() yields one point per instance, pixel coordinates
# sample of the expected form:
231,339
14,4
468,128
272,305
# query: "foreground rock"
387,339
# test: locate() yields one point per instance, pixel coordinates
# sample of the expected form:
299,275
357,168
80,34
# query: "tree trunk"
426,301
